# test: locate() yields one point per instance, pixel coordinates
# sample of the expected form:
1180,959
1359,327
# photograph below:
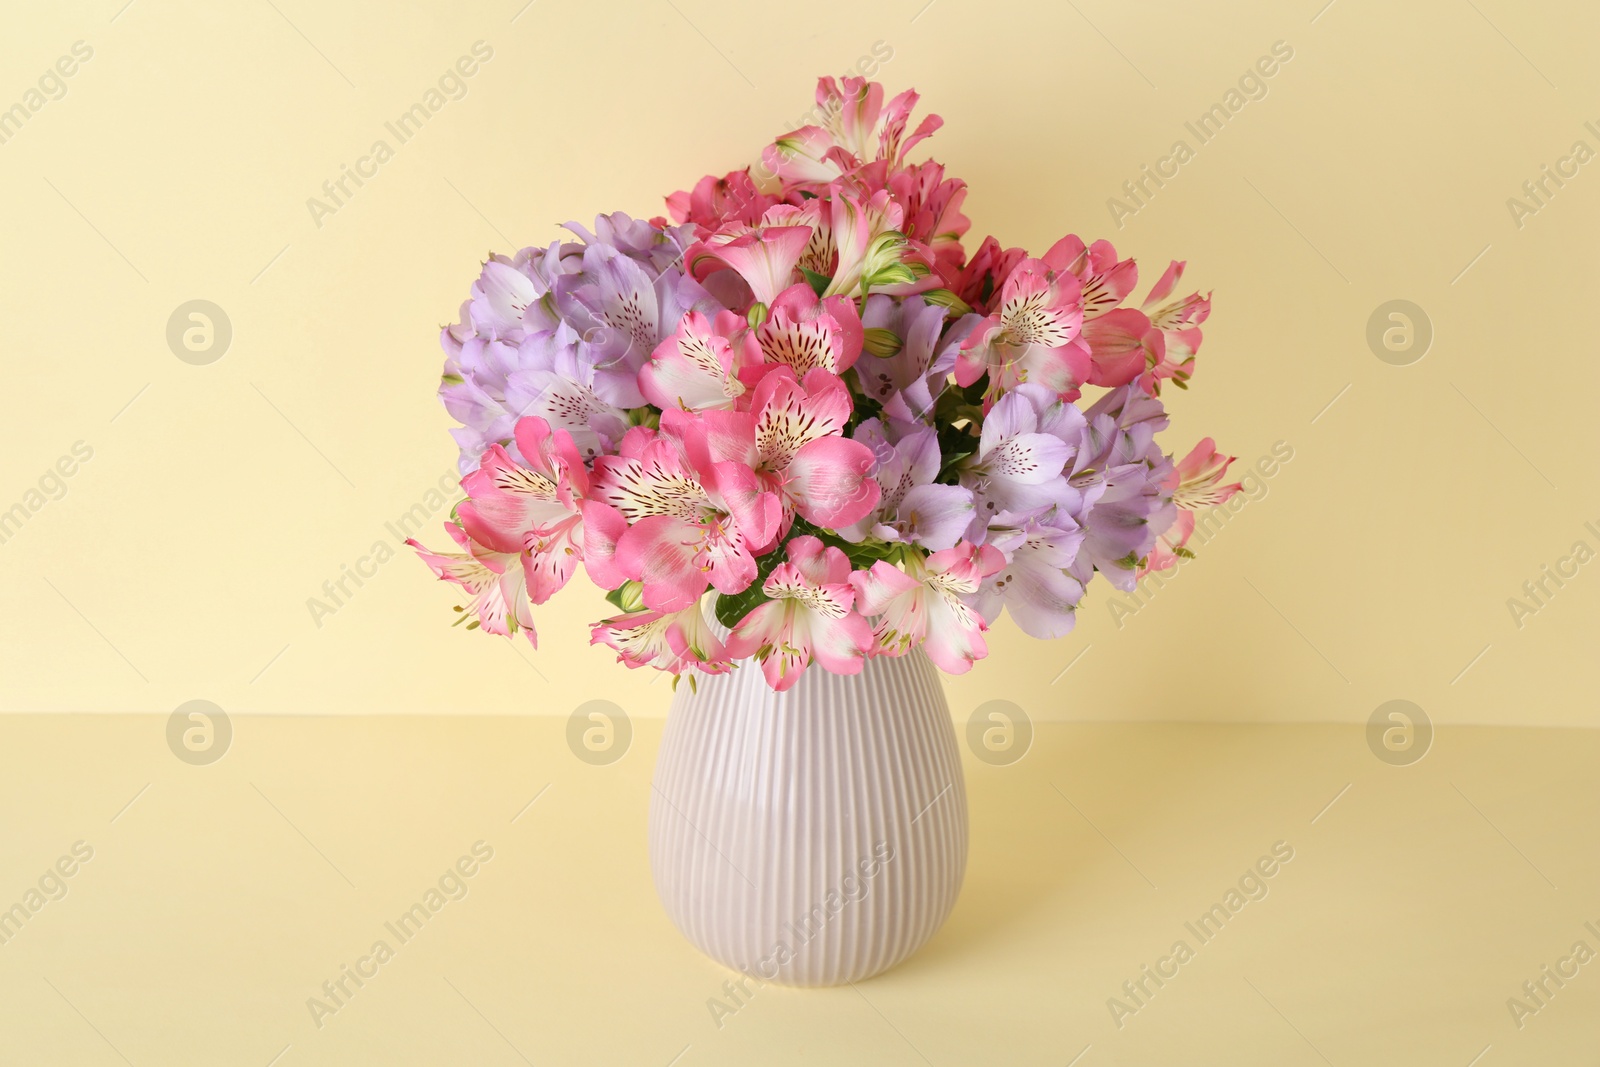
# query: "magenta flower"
1179,323
532,509
715,202
857,129
766,257
931,206
791,441
1195,483
655,516
805,334
808,618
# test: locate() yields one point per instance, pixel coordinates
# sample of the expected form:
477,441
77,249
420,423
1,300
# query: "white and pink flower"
808,617
925,602
1195,483
1032,336
668,641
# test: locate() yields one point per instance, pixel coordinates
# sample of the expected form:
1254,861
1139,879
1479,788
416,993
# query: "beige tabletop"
220,898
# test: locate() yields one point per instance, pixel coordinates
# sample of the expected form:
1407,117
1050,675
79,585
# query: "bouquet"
803,401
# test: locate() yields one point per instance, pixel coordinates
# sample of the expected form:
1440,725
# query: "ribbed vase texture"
816,836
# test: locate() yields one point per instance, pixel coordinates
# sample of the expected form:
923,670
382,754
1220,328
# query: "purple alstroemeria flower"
912,507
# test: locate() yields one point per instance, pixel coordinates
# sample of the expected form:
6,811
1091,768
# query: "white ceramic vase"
812,837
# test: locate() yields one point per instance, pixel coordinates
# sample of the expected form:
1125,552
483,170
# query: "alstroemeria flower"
532,509
791,439
931,209
766,257
714,202
668,641
1122,341
981,282
855,240
698,366
1195,483
927,603
912,355
1179,322
804,333
809,617
871,249
857,129
1122,515
563,386
494,582
656,517
1150,344
1031,337
911,507
1023,450
1036,585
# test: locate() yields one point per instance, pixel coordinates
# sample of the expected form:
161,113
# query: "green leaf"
819,282
948,475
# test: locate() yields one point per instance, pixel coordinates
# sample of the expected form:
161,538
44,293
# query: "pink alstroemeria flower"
931,206
698,366
1121,341
791,440
1150,343
855,241
494,582
668,641
1195,483
857,128
804,333
809,618
1031,337
982,280
655,516
1179,322
532,509
927,604
714,201
766,257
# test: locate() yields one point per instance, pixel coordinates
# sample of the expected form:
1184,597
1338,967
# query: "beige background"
178,165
